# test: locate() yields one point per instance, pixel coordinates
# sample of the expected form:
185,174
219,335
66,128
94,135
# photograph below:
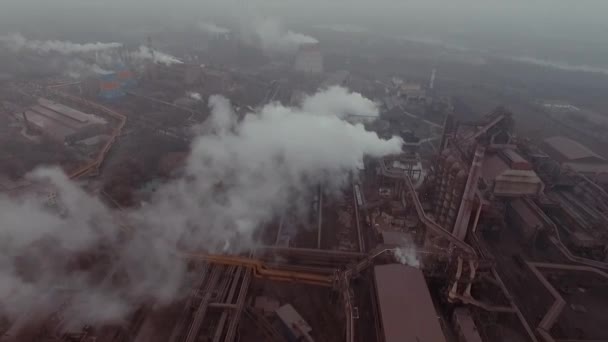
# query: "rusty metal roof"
493,166
406,308
570,150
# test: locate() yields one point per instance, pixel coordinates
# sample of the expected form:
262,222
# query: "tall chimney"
26,122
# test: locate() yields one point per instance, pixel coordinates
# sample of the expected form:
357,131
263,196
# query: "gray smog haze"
565,31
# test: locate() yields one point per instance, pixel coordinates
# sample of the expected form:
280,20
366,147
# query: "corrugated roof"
405,305
571,150
71,112
51,127
516,161
492,167
588,168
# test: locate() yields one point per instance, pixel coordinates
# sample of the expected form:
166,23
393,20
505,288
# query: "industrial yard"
197,192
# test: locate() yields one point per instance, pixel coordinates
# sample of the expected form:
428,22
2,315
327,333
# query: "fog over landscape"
556,31
188,170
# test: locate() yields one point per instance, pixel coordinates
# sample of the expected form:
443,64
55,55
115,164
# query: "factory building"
508,174
572,155
61,123
309,60
111,87
404,302
477,163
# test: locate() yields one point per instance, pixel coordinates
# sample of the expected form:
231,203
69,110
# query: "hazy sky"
567,29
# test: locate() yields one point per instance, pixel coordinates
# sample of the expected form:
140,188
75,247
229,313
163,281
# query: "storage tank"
126,77
110,87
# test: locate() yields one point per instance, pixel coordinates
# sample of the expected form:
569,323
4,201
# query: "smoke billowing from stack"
146,53
273,37
239,176
18,42
212,28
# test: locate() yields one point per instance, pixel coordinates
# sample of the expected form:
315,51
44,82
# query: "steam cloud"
561,66
343,28
239,176
17,42
195,96
212,28
78,68
274,38
145,53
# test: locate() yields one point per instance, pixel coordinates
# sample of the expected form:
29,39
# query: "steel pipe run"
358,197
240,307
234,277
549,319
201,311
431,225
319,215
557,240
122,120
466,205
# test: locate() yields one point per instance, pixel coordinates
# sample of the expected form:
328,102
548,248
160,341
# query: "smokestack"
150,46
26,123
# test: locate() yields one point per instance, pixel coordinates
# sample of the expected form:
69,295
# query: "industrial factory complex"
474,232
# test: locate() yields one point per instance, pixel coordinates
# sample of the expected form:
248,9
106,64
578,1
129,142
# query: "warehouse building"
404,302
571,154
62,123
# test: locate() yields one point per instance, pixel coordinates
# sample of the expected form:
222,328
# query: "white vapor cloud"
145,53
273,37
407,256
338,100
241,174
18,42
78,68
343,28
212,28
560,65
195,96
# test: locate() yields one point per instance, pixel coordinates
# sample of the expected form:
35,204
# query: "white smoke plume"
145,53
343,28
78,68
560,65
17,42
273,37
241,174
338,100
407,256
211,28
195,96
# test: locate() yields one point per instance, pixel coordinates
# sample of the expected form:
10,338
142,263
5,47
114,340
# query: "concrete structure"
405,305
577,157
309,59
464,326
565,150
62,123
412,92
295,325
510,175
